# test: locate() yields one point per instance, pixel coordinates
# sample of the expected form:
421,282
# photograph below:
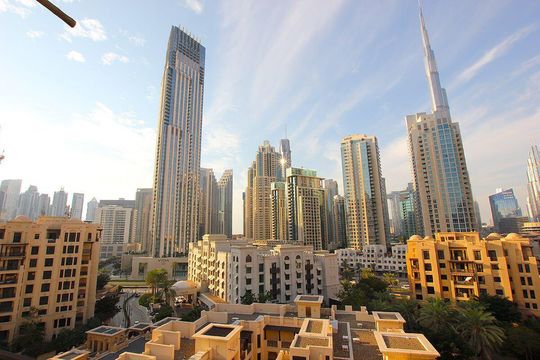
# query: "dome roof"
493,236
415,237
22,218
512,236
184,285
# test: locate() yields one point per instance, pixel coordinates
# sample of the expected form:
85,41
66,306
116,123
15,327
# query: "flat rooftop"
107,330
187,349
232,317
309,298
293,329
305,341
141,326
356,324
314,326
164,321
217,330
388,316
366,347
404,343
71,354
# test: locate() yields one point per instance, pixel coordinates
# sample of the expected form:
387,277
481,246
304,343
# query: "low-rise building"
300,331
230,269
459,266
48,272
376,257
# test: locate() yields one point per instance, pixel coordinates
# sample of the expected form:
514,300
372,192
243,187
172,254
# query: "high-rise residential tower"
331,190
178,150
44,205
208,203
9,198
225,202
441,180
77,204
533,184
279,211
403,214
29,203
365,195
143,207
503,205
59,204
263,172
91,208
285,161
117,224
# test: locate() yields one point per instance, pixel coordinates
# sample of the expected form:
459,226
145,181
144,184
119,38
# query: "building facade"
375,257
503,205
9,197
91,208
143,213
44,205
59,203
178,150
330,190
459,266
533,184
118,230
340,222
365,197
77,204
444,200
262,173
225,203
279,211
306,208
50,265
230,269
403,213
29,203
208,203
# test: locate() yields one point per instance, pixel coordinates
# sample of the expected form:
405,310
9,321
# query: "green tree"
31,338
156,279
168,292
248,298
366,273
145,300
102,279
523,342
164,311
390,279
479,330
351,294
437,315
410,310
264,297
347,273
502,309
106,307
193,314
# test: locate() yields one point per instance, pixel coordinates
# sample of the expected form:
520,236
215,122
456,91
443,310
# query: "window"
50,250
479,267
527,268
440,254
17,236
429,278
248,258
430,290
425,254
261,278
47,274
29,289
427,267
45,287
33,263
44,300
36,237
35,250
442,265
525,294
520,268
31,275
477,255
529,280
248,270
481,280
499,292
27,302
522,280
443,277
445,288
261,267
49,262
492,255
533,294
495,266
497,279
248,281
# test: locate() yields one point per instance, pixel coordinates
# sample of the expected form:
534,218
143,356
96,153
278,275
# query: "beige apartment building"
49,266
230,269
300,331
458,266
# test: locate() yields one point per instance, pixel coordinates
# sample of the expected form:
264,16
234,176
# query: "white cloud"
137,40
195,5
75,56
492,54
15,8
104,153
34,34
86,28
111,57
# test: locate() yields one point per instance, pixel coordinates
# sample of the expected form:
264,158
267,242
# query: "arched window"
248,258
286,258
297,257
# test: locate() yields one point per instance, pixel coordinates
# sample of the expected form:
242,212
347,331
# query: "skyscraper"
178,150
225,202
208,203
331,190
340,222
441,180
306,208
143,207
44,205
533,183
279,211
117,224
91,208
263,172
77,204
285,161
29,203
403,213
9,198
503,205
365,194
59,204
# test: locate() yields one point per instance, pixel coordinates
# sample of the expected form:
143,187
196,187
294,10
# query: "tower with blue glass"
443,194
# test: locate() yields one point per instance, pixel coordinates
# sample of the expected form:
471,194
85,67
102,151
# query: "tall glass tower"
443,195
503,205
178,148
533,184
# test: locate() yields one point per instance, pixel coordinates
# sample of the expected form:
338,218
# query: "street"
135,312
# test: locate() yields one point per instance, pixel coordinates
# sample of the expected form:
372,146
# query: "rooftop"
218,331
305,341
314,326
407,343
107,330
309,298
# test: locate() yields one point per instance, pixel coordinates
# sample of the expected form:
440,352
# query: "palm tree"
409,309
479,329
366,273
167,291
155,279
390,279
346,272
437,315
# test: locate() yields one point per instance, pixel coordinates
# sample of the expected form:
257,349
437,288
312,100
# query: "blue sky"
79,108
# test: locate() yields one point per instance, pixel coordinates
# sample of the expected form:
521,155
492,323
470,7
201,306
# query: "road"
135,312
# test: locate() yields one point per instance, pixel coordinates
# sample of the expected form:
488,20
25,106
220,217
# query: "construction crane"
56,11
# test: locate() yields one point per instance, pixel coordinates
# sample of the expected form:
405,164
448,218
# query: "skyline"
231,136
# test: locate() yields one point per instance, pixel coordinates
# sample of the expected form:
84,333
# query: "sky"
79,107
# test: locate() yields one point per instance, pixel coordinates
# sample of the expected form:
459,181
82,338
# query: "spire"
437,93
